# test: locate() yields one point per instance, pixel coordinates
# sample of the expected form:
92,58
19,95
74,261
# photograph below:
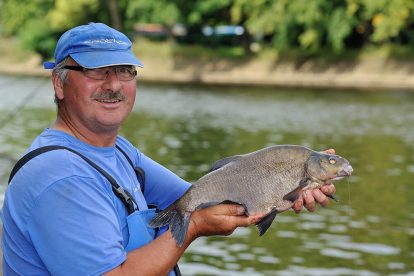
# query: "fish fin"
207,204
221,163
163,218
334,198
232,202
177,219
294,195
304,182
266,221
212,203
179,227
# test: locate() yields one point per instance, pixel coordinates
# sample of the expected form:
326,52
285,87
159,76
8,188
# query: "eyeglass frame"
133,73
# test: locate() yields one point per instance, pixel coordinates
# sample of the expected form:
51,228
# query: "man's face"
97,105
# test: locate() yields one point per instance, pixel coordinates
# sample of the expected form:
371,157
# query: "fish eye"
332,160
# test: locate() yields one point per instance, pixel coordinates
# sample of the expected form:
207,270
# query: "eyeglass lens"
123,73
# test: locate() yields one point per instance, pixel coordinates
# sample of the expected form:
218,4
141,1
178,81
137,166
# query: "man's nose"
112,82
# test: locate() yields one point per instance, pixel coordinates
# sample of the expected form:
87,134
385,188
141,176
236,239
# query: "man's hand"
309,198
220,219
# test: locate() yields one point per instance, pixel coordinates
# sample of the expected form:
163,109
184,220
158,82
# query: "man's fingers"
329,151
320,197
236,210
328,189
298,205
309,200
228,209
237,214
256,218
245,221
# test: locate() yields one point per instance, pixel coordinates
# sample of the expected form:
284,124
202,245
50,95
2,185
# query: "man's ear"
58,86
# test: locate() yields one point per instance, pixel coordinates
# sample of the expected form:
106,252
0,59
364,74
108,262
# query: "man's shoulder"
52,156
127,147
41,173
48,164
124,143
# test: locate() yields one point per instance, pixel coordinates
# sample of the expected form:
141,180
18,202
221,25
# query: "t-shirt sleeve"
162,186
75,228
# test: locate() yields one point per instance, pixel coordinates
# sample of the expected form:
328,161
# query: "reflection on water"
369,232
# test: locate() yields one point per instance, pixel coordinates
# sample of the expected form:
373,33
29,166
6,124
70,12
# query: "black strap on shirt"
126,198
140,173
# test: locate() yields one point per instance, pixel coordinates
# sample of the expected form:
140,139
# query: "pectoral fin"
294,195
266,221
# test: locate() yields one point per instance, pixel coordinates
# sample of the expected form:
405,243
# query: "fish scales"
265,181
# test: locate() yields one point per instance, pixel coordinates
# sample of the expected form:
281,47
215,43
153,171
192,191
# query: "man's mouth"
109,97
108,101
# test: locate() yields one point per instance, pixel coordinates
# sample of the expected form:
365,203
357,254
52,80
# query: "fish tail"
177,219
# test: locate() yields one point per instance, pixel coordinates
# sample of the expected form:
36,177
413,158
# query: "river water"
186,128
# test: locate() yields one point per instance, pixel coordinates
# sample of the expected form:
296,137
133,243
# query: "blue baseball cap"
94,45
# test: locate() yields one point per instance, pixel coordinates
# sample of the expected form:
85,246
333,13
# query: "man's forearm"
156,258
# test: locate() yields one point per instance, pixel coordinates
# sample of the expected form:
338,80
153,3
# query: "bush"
37,36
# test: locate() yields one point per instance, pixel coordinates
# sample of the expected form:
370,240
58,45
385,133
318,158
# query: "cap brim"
98,59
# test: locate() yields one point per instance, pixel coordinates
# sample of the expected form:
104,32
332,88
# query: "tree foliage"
15,13
310,25
67,14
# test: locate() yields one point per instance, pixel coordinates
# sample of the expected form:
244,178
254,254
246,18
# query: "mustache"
105,96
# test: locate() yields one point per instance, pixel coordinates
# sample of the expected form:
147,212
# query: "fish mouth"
346,171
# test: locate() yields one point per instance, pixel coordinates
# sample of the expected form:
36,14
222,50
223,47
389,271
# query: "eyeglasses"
124,73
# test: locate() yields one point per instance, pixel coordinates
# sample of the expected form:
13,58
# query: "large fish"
265,181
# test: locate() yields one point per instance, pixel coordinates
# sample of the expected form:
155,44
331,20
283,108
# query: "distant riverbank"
166,66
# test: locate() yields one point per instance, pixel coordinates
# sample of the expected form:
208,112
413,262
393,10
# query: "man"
77,204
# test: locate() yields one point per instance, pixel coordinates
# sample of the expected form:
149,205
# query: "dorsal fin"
222,162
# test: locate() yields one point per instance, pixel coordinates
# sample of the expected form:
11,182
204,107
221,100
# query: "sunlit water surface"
369,232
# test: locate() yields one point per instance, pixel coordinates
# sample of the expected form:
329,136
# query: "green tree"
193,14
310,25
67,14
388,18
169,12
15,13
39,23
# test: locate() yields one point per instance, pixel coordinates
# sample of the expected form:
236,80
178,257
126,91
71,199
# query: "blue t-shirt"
60,215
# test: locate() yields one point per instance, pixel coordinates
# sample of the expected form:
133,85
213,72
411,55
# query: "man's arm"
160,256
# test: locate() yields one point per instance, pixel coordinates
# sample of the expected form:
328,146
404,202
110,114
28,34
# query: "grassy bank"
373,68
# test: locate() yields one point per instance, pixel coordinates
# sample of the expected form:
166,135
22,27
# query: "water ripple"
314,271
371,248
333,252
